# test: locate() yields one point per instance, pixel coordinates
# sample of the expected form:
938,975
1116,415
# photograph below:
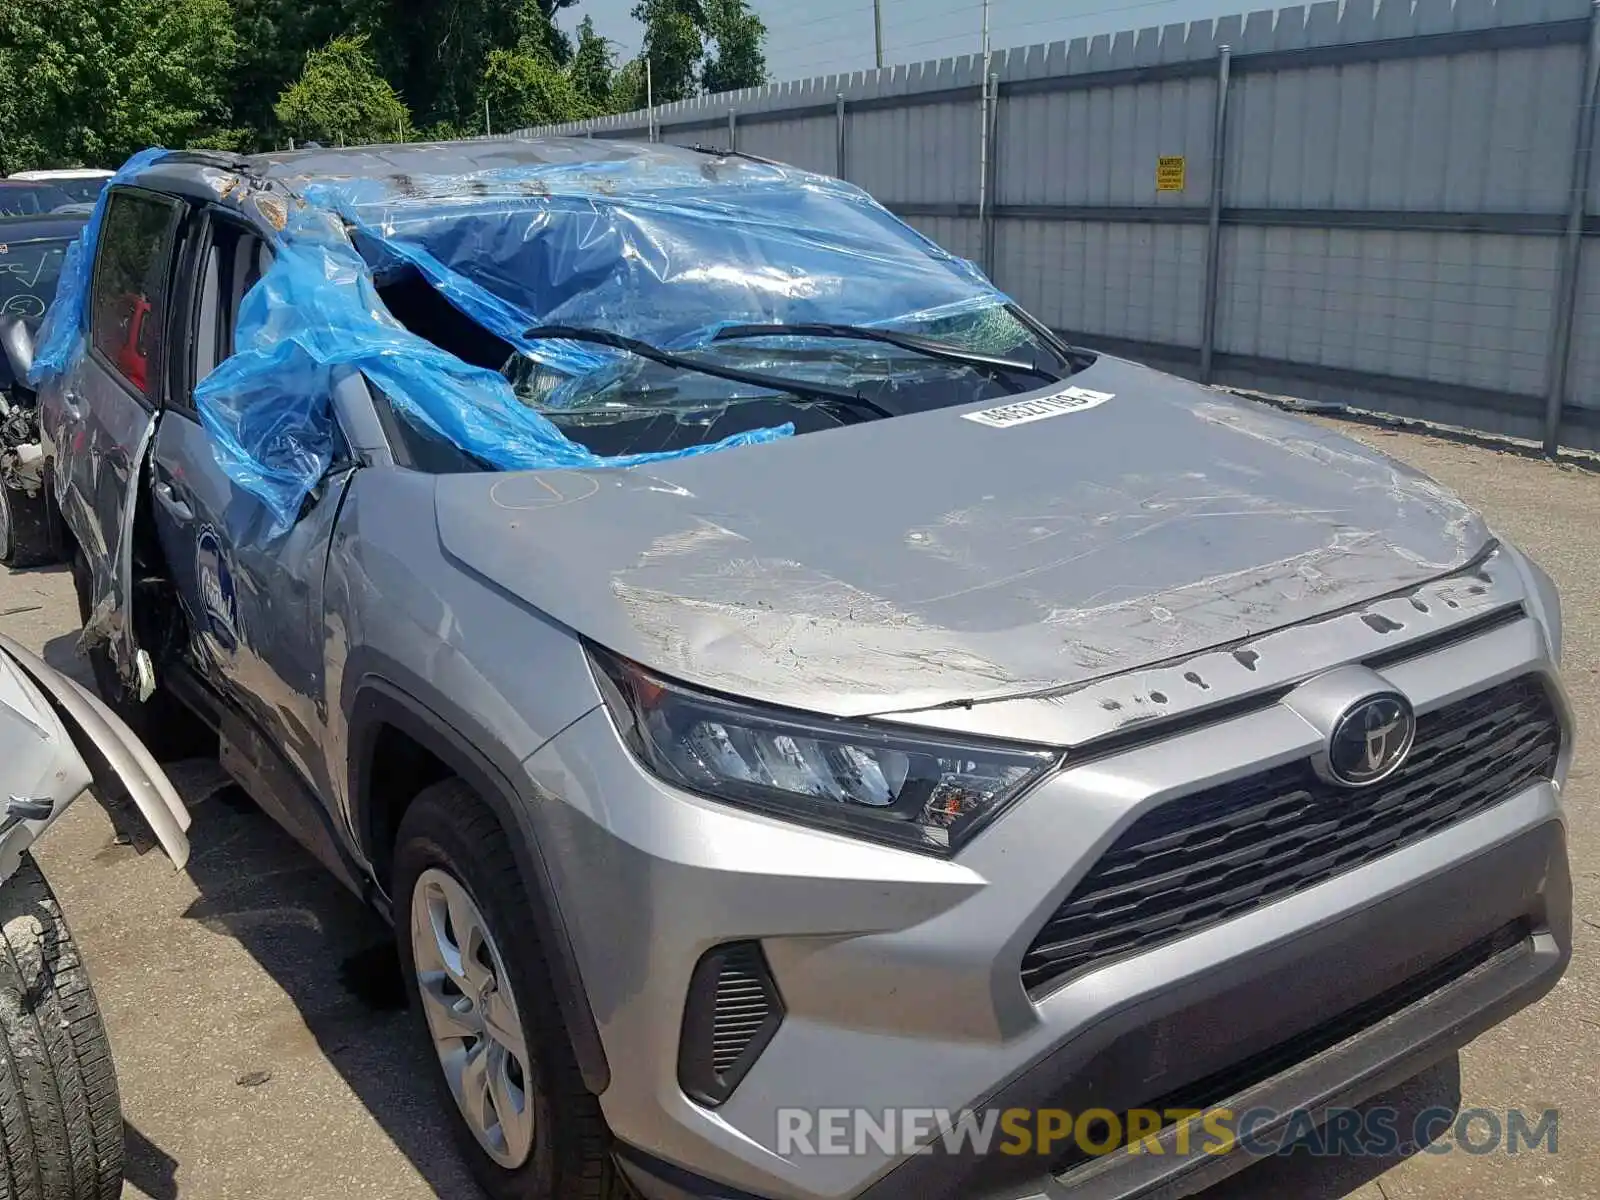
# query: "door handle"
170,501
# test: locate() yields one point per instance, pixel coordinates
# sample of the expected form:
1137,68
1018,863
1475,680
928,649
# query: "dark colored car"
81,185
31,198
32,250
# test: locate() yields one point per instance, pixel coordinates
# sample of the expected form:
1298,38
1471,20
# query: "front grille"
1203,858
740,1008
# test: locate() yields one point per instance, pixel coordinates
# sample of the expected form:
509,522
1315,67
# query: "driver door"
99,418
253,604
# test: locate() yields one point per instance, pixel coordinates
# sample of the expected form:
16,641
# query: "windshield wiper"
905,341
773,383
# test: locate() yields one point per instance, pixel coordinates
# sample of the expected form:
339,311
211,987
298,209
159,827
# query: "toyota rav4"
758,668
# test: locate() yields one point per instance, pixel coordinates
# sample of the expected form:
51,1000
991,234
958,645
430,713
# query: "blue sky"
819,37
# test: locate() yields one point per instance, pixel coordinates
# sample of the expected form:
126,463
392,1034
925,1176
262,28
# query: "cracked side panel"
99,444
111,604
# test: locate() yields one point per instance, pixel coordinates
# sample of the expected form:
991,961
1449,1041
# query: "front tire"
60,1116
527,1125
24,529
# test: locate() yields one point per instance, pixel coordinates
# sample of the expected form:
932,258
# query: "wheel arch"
383,712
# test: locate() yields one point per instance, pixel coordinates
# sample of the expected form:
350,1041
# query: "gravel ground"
263,1052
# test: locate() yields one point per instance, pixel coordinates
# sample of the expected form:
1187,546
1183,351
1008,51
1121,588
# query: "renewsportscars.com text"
1052,1132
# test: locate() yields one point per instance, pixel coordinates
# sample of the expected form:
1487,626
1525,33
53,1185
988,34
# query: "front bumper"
1391,1041
900,974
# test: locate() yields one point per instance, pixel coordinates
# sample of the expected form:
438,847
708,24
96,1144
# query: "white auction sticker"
1057,404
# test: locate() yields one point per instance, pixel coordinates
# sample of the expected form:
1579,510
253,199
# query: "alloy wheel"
473,1017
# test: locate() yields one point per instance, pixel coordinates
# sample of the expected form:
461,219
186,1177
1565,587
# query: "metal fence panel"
923,154
806,142
1583,380
1101,146
959,235
1464,308
1466,133
1134,281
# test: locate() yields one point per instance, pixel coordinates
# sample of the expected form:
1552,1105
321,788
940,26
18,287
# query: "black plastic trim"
1163,879
697,1074
655,1179
377,703
1508,942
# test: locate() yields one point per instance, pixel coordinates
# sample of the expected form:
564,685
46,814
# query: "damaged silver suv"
760,670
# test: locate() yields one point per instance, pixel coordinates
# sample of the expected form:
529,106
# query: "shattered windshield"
687,258
873,369
640,405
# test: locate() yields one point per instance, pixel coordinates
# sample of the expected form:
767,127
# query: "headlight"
913,791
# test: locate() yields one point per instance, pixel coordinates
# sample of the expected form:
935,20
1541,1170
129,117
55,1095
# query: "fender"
377,703
109,750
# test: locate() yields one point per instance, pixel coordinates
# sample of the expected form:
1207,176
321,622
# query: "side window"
128,304
234,261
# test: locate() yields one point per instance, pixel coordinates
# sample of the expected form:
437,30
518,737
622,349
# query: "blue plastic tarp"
663,245
656,243
314,312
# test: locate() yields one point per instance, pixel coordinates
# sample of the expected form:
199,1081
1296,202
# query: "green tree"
92,81
674,43
528,88
627,87
435,51
443,131
340,97
717,45
537,31
740,61
274,37
175,76
592,69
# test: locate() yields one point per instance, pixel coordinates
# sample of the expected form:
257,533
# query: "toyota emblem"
1371,739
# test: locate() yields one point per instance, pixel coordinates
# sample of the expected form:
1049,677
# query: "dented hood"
933,559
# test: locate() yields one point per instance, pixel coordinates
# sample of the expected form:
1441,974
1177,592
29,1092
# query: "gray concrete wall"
1395,184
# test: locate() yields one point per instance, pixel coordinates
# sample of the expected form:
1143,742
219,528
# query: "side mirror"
16,343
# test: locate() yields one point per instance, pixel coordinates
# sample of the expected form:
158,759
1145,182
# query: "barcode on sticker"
1058,404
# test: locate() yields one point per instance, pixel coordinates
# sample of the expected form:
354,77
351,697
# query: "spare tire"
60,1115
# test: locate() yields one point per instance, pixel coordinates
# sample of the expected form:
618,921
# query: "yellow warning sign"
1169,173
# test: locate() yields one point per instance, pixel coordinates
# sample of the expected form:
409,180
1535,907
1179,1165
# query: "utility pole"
983,129
486,130
877,30
649,100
